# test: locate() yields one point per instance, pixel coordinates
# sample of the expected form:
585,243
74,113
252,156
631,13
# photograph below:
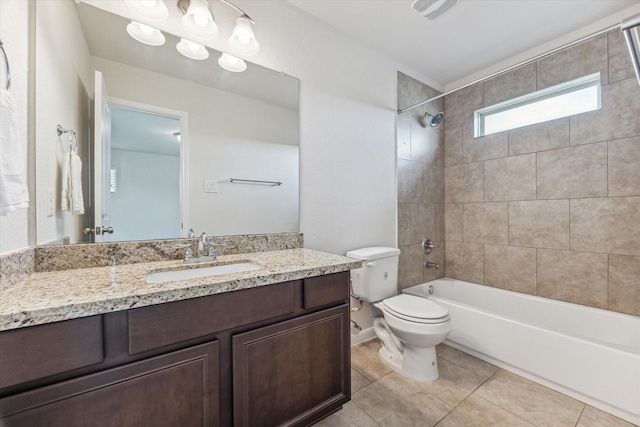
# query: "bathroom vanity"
265,347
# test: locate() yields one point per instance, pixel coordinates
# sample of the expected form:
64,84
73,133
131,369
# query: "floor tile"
365,360
477,412
468,362
397,401
531,401
349,416
357,381
592,417
454,384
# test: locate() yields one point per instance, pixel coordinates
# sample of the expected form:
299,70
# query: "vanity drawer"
40,351
171,323
323,290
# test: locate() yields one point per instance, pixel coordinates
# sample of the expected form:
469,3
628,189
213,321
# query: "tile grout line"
580,416
506,410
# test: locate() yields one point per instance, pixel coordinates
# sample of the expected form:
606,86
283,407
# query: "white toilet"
410,327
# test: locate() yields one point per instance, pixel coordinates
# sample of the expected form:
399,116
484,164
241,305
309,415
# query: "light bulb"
146,29
150,9
192,50
242,39
201,20
145,34
231,63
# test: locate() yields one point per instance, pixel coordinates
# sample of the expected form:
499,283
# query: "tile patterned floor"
469,393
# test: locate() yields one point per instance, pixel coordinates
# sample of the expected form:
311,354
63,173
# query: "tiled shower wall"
420,184
551,209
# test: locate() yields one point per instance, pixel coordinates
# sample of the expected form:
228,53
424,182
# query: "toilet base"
417,363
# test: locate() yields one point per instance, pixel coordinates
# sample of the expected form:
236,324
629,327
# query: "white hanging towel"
71,198
14,193
75,175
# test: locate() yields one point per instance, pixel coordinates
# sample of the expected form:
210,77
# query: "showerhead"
434,120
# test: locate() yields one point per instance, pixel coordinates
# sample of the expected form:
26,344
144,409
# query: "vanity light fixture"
231,63
198,18
155,10
145,34
198,21
192,50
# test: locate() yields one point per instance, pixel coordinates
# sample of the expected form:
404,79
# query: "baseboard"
362,336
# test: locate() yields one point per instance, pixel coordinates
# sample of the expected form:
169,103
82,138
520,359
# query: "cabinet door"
293,372
176,389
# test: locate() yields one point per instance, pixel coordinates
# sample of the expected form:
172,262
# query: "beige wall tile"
453,222
583,59
485,147
618,117
415,221
453,146
573,172
410,266
404,138
486,223
624,286
410,188
624,167
438,222
432,184
539,137
464,261
578,277
463,183
510,267
620,66
460,105
411,92
511,178
606,225
513,84
427,144
539,224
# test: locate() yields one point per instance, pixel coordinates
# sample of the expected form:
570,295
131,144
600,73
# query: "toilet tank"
378,277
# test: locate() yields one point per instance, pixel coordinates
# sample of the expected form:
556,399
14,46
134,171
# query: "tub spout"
432,265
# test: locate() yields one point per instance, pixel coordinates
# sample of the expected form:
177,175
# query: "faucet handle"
188,255
191,234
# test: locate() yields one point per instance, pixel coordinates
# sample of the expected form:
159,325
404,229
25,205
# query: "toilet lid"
410,306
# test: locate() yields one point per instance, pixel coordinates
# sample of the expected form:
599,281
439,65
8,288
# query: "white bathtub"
590,354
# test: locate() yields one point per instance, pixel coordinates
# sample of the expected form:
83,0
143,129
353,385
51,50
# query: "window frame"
591,80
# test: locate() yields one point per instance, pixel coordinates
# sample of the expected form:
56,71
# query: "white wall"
63,84
230,136
244,208
146,204
14,32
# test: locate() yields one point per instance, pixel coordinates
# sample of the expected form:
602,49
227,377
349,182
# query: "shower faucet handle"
428,245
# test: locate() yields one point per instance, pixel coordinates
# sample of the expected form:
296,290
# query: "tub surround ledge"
52,296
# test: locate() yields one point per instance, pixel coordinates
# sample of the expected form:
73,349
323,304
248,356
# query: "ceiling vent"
431,9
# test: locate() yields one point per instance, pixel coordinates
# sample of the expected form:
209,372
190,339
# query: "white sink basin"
194,273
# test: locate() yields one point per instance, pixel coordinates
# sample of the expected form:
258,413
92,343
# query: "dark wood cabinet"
285,373
267,356
176,389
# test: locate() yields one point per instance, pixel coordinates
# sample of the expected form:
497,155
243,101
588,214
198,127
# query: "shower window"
566,99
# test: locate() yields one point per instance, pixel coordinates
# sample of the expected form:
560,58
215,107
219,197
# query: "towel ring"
6,63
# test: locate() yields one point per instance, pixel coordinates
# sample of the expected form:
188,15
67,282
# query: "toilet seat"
415,309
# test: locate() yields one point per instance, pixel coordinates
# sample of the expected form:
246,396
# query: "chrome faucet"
202,243
432,265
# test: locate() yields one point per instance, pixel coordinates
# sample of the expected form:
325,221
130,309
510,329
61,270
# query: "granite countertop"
61,295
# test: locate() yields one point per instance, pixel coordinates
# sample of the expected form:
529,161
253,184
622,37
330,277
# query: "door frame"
183,116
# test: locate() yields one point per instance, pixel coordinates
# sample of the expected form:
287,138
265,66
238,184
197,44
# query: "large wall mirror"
165,141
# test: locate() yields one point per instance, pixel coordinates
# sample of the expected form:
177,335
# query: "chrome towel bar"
253,181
